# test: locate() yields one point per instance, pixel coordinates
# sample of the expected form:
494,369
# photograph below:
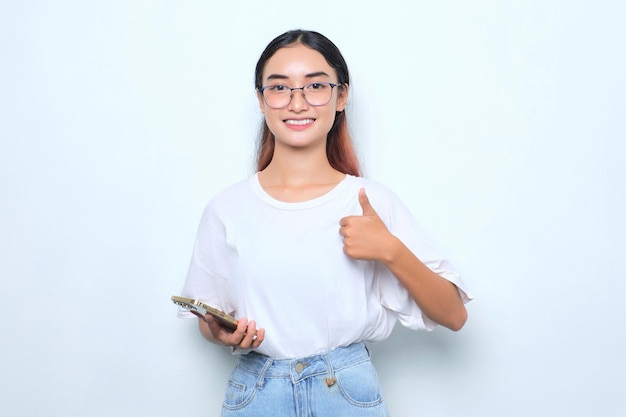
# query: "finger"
235,338
250,335
217,330
364,201
260,336
214,326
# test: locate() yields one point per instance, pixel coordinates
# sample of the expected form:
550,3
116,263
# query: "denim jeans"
342,382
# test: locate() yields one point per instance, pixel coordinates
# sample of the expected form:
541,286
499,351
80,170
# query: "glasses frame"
332,85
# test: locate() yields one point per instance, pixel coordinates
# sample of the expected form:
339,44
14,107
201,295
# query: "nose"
298,102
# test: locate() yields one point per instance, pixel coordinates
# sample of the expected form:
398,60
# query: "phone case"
200,309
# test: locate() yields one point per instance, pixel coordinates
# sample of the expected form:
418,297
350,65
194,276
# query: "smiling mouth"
299,122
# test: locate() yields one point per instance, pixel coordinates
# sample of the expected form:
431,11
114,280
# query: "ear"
259,97
342,97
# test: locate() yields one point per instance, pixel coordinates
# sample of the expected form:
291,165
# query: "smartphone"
200,309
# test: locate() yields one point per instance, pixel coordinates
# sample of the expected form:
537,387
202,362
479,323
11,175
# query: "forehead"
297,61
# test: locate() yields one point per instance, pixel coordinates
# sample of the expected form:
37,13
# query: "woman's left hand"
366,237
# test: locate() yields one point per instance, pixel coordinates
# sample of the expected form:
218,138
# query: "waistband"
301,368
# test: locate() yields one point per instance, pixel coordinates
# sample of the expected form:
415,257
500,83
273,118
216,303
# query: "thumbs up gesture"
366,237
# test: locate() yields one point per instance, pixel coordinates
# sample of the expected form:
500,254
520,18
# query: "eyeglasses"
316,94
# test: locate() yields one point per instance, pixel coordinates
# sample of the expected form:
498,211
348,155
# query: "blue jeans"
342,382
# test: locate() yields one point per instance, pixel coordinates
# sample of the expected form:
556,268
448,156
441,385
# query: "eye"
317,86
277,88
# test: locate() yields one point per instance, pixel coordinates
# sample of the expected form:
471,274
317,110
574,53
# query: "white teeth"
299,122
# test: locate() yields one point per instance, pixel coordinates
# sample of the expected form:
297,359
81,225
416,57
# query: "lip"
299,124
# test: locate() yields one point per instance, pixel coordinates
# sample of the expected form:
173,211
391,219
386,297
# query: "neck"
296,180
293,166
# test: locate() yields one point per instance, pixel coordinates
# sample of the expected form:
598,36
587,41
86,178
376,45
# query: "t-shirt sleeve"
208,268
393,295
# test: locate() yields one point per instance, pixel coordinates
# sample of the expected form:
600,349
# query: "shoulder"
394,212
229,198
379,194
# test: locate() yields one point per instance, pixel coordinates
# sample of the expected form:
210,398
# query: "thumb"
368,210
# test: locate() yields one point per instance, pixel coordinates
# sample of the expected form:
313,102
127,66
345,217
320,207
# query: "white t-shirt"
282,265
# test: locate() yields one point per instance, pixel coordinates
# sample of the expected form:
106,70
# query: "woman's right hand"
245,336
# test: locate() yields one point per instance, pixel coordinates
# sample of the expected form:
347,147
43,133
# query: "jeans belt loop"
261,379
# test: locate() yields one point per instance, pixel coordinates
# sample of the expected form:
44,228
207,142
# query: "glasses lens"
277,96
318,94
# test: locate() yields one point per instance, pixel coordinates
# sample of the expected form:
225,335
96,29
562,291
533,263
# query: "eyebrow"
284,77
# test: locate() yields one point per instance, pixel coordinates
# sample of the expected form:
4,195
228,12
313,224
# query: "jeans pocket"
240,390
359,384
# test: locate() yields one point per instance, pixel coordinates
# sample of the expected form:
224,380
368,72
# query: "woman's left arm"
366,237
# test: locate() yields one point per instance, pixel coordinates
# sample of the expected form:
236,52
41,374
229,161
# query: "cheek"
273,123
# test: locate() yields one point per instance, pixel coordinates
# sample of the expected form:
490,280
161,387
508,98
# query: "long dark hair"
339,149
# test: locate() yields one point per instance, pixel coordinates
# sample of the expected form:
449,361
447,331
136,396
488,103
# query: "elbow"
458,320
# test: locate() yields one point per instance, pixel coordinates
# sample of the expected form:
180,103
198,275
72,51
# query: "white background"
500,123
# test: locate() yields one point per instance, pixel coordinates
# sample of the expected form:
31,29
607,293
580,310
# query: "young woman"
313,259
